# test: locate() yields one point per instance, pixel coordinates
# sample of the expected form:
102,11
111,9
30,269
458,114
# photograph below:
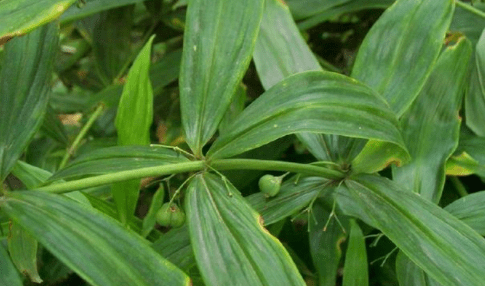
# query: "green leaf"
304,9
218,42
326,239
475,97
111,43
355,268
175,247
23,250
409,274
22,16
92,7
24,87
119,158
293,196
95,246
10,276
319,102
447,249
156,204
280,50
432,139
469,20
414,31
469,209
135,110
469,157
347,7
237,250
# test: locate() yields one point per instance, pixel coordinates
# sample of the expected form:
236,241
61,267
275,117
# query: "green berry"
170,215
270,185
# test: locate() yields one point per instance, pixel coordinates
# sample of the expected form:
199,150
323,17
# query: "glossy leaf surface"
22,16
24,88
95,246
414,32
319,102
447,249
432,125
217,33
237,250
119,158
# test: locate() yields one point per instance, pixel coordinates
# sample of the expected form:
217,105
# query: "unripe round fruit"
270,185
170,215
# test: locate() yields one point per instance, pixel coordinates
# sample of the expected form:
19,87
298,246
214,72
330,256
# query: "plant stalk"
224,164
81,135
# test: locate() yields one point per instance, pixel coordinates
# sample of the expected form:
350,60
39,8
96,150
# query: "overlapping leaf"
24,87
175,247
447,249
432,125
95,246
355,268
319,102
413,32
218,42
409,274
470,209
475,97
23,250
119,158
22,16
10,276
236,250
326,239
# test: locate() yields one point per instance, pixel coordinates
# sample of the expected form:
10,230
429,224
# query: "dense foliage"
242,142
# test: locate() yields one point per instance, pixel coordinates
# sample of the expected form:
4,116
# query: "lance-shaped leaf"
319,102
24,87
447,249
469,157
326,239
413,32
469,20
470,209
355,268
231,246
95,246
475,97
22,16
119,158
135,109
431,126
10,276
218,42
23,250
305,9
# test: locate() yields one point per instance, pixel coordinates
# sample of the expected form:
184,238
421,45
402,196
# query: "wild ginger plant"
379,136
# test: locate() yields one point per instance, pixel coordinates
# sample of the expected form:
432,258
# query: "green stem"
253,164
81,135
470,8
460,188
227,164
